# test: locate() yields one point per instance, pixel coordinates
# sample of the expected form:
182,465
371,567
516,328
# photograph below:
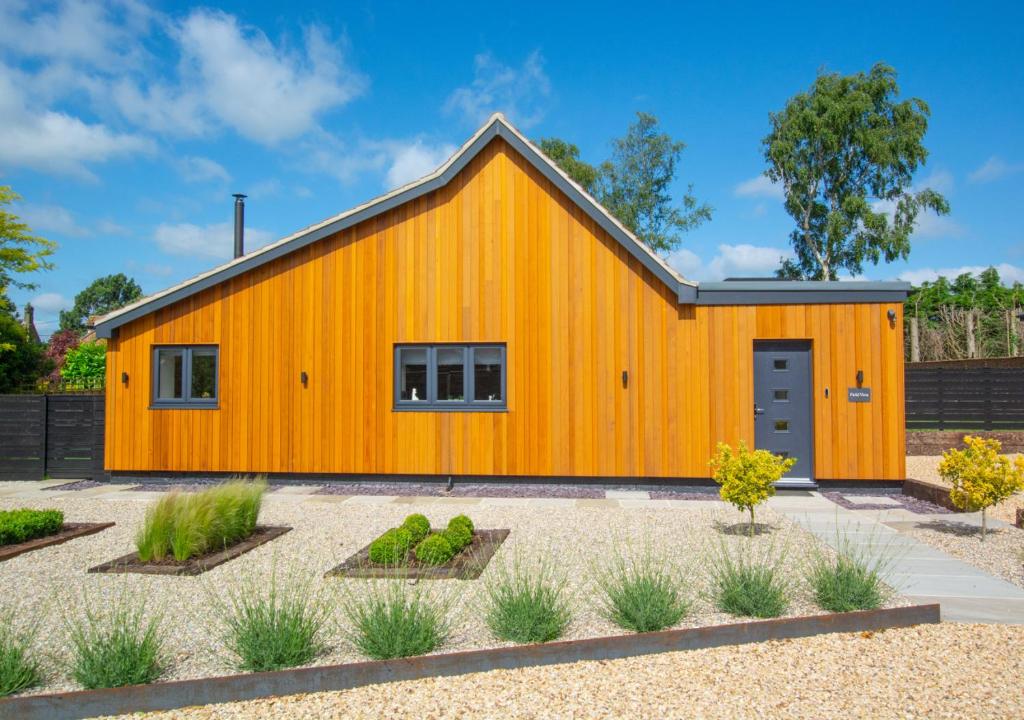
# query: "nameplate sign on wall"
859,394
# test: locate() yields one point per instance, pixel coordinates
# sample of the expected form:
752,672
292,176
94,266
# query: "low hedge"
393,546
18,526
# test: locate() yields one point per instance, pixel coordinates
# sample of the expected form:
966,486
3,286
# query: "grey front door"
783,422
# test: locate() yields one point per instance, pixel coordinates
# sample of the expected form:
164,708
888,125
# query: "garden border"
468,564
68,531
235,688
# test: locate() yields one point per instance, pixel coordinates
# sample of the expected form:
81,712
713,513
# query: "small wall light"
860,378
304,378
892,316
625,378
124,377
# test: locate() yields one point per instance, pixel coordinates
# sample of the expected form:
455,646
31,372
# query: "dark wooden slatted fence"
981,398
60,436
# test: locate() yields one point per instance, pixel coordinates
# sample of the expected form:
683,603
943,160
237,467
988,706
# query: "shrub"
434,550
526,606
119,647
642,593
747,586
392,547
846,582
418,526
85,365
462,520
185,525
396,620
458,536
980,477
748,477
18,526
18,670
274,627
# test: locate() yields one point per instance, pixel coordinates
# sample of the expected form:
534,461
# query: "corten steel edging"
233,688
75,530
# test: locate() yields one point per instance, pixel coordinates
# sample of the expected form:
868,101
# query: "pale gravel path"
926,467
1001,553
932,671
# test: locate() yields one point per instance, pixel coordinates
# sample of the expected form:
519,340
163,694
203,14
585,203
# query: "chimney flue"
239,224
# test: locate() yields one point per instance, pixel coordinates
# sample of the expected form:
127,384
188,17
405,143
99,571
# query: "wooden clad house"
492,320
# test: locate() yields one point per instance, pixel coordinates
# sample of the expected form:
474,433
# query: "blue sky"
126,126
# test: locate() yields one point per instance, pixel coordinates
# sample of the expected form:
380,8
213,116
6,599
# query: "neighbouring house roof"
687,291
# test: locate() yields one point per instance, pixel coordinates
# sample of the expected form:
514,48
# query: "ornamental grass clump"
115,644
275,625
747,476
747,584
642,592
980,477
19,670
526,604
185,525
393,620
849,579
18,526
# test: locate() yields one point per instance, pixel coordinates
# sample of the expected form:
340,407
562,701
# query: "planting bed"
195,565
467,565
68,531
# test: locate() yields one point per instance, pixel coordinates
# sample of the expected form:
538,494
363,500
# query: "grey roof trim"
685,290
800,292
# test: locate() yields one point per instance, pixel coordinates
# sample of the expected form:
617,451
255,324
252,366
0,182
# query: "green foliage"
980,477
641,592
20,251
748,477
22,361
395,620
276,625
418,526
526,605
114,644
458,536
463,520
19,670
635,184
845,153
392,547
103,295
746,585
18,526
86,365
184,525
434,550
848,581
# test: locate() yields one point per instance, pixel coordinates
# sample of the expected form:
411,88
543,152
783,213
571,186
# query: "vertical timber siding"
498,255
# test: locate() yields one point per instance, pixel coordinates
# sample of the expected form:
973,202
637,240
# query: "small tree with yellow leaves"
980,477
747,476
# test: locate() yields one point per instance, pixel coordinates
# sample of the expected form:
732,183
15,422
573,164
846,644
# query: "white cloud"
211,241
742,260
927,224
109,227
941,181
54,219
200,169
995,168
413,160
760,186
51,302
521,93
1007,272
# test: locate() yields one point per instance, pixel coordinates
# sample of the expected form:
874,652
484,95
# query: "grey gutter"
800,292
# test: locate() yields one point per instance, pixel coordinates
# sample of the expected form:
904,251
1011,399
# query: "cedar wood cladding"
499,254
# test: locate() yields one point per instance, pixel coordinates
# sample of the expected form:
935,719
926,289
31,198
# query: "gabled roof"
687,291
496,126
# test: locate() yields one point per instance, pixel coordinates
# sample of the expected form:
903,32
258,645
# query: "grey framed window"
450,376
185,376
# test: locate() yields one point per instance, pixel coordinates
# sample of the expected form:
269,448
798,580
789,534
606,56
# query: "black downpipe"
239,224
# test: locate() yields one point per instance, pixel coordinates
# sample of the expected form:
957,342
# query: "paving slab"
627,494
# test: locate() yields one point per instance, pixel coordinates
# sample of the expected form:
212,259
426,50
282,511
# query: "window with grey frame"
185,376
464,377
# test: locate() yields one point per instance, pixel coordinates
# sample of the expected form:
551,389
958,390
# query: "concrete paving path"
918,571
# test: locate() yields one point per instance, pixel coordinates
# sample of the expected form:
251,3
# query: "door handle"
758,410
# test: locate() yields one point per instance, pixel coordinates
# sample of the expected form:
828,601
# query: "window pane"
781,364
413,374
782,396
450,372
487,374
782,426
204,374
169,374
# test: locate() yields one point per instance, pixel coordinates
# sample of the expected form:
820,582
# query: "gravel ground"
474,490
903,674
914,505
926,467
52,583
1002,552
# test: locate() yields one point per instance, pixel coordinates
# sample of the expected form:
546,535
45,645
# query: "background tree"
635,184
85,366
21,360
104,295
57,348
20,251
845,153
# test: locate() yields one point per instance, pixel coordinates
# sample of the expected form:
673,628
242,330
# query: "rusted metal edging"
184,693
